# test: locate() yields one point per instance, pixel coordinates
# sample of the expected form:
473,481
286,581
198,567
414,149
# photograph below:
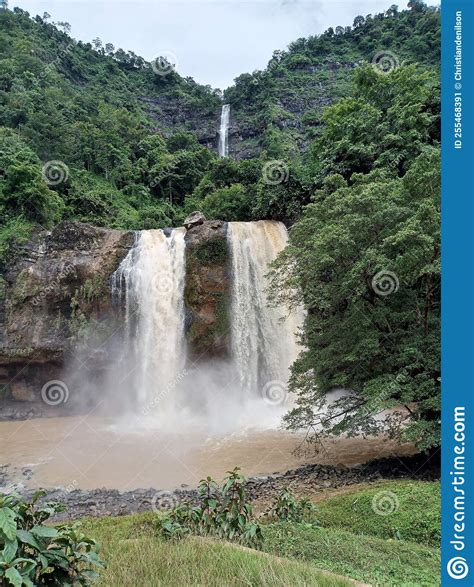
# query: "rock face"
58,300
56,288
207,290
172,113
194,219
289,112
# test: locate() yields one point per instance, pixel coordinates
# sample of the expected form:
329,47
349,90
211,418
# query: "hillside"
75,78
279,110
139,147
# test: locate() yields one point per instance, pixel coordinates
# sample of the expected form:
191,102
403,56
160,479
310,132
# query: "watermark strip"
458,298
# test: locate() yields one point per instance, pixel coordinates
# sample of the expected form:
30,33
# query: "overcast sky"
214,40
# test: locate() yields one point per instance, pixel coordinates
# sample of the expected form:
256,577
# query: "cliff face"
58,299
175,113
284,112
56,288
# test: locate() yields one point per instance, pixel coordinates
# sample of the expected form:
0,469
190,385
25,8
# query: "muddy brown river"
92,452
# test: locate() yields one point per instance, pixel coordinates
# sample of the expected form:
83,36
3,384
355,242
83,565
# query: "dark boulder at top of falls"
194,219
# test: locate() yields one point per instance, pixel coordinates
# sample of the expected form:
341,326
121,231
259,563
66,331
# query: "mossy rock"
207,290
211,252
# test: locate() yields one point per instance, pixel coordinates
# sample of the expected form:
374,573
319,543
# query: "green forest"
359,186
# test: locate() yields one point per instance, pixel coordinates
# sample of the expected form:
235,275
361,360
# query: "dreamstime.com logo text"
457,567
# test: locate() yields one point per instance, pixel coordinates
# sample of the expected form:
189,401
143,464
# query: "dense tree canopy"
364,259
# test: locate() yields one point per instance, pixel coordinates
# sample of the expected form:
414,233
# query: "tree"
358,21
23,190
392,11
386,122
282,201
229,204
64,26
109,48
97,43
417,5
364,260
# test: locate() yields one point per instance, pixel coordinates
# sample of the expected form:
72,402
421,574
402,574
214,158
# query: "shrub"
223,512
212,251
287,508
34,554
233,203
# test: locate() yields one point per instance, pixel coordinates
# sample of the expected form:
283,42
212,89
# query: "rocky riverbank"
304,480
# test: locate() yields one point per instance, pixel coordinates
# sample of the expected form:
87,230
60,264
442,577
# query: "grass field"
135,556
368,559
393,550
416,516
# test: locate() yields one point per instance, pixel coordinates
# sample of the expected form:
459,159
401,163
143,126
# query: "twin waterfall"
151,277
149,284
263,338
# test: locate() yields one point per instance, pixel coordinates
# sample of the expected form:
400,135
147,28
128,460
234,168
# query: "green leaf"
9,550
14,577
27,566
28,538
8,523
44,531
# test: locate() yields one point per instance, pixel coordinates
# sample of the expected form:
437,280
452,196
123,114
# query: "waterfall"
149,283
150,370
224,131
263,345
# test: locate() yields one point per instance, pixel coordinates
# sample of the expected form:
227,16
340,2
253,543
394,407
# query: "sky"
213,41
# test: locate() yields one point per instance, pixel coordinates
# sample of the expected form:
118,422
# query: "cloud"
214,40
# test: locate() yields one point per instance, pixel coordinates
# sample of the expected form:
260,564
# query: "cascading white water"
224,131
263,345
149,284
151,277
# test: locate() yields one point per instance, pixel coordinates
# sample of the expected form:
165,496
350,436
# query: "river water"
91,452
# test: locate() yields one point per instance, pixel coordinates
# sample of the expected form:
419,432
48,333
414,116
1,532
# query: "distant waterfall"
263,346
224,131
151,279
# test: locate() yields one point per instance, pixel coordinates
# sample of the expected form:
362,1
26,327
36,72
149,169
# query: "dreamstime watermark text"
457,567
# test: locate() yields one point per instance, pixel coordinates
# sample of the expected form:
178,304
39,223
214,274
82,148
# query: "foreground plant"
34,554
287,508
224,512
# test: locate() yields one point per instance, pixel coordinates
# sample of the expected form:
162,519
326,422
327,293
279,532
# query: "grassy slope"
417,517
355,541
136,557
352,541
366,558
